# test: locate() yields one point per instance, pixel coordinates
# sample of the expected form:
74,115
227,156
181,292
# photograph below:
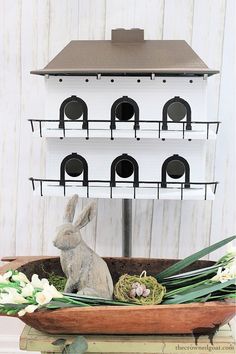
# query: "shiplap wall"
32,32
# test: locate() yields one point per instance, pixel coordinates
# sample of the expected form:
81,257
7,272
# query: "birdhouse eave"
127,54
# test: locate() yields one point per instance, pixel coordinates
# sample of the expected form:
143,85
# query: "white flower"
5,277
53,291
231,250
232,263
27,290
3,280
49,292
230,257
44,282
16,298
43,297
21,312
21,277
28,309
12,297
11,290
232,269
36,282
223,275
218,277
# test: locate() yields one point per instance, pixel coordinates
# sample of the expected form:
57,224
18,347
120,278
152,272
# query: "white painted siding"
149,154
150,95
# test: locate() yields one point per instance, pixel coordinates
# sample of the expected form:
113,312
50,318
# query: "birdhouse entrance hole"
124,166
74,165
176,109
124,109
73,108
175,167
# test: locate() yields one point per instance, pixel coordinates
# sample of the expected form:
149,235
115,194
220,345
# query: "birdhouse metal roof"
127,53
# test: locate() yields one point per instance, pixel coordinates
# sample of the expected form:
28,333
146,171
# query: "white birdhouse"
126,118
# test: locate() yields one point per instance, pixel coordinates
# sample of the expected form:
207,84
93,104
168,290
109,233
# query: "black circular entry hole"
124,111
124,168
175,169
176,111
73,110
74,167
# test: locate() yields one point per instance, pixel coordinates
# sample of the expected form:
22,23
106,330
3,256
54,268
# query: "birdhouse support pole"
126,227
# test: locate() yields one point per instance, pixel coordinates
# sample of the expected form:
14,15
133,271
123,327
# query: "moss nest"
140,289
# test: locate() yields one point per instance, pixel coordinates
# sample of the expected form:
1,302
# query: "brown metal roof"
126,53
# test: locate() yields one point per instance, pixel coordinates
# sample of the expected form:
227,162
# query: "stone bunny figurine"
86,272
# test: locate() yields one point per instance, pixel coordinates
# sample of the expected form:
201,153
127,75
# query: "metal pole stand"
126,227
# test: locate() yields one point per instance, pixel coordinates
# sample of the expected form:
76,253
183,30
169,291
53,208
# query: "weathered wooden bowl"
159,319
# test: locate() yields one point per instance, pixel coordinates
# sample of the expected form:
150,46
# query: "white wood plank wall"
32,33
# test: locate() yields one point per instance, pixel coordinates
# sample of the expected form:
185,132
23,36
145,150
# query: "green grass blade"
185,281
58,305
96,301
175,268
198,292
185,289
192,273
84,296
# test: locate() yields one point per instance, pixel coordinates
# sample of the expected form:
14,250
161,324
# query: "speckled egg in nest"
143,289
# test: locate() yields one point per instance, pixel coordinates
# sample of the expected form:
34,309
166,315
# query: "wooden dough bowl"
159,319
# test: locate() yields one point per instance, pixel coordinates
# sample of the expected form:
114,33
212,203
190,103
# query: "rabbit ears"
86,215
70,209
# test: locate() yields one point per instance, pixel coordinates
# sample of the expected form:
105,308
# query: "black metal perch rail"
159,123
142,184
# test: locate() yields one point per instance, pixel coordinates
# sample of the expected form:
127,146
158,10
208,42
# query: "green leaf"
178,283
92,300
198,292
84,296
58,304
59,342
79,346
193,273
175,268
